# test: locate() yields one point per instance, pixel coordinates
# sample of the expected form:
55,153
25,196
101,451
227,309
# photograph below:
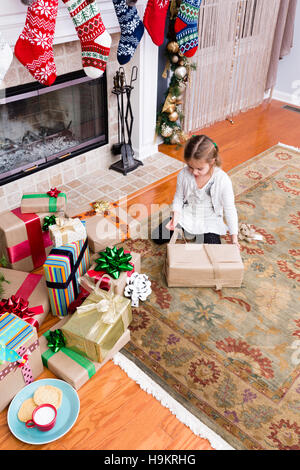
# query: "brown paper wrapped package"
41,204
118,285
111,228
196,265
13,232
11,383
39,295
66,369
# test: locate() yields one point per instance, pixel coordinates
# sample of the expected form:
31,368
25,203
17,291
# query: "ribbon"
102,301
101,206
83,294
36,241
20,307
48,220
55,343
113,261
64,226
23,363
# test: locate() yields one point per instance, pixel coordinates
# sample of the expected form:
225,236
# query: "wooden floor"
116,414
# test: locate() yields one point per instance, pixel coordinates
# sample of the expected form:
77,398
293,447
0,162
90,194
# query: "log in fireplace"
41,126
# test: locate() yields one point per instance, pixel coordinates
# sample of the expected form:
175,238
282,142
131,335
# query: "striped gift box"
14,332
63,267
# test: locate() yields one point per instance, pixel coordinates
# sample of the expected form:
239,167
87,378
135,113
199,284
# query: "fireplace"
41,126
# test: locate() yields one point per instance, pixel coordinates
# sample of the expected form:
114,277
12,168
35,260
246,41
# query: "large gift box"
203,265
111,227
23,241
97,324
67,231
20,357
52,201
120,268
62,270
26,287
69,365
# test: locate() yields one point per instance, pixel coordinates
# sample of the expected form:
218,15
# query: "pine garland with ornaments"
170,117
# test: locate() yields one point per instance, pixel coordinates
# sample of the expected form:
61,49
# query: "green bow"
113,261
48,220
56,340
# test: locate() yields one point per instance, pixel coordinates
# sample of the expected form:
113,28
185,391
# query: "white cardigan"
222,196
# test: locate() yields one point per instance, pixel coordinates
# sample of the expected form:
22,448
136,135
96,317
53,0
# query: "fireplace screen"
40,126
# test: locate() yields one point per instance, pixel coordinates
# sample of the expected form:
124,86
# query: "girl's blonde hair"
202,147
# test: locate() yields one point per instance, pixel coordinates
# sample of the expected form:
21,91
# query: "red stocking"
155,19
34,46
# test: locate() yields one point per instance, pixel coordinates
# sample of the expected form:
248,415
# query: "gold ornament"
173,116
181,62
174,59
172,99
170,109
180,72
173,47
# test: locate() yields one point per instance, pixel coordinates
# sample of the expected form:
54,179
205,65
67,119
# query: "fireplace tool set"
125,123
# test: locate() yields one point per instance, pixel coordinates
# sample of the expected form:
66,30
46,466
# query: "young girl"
204,194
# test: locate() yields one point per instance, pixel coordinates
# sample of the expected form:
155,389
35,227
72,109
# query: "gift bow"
8,355
104,302
56,340
48,220
101,206
138,288
54,192
114,261
20,307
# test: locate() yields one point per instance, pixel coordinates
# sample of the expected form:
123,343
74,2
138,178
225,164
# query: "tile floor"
112,186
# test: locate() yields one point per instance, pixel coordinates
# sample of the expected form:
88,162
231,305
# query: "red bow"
83,294
54,192
20,307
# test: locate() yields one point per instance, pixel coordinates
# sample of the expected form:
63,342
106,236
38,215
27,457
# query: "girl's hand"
234,240
173,222
171,225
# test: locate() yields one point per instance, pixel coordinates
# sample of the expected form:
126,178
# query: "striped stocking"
95,40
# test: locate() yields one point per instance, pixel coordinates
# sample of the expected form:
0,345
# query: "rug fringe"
296,149
181,413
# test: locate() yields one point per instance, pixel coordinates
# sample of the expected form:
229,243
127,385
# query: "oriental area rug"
231,358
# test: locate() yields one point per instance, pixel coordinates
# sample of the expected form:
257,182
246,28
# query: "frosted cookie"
48,394
26,410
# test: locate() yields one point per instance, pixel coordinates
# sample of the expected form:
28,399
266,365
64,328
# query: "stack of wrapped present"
86,281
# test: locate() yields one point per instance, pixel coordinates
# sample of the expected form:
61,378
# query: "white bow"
138,288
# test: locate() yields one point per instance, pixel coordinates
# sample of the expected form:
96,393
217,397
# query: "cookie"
26,410
48,394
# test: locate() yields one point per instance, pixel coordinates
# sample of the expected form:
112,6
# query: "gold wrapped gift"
98,323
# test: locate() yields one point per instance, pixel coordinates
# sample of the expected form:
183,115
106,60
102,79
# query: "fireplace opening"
41,126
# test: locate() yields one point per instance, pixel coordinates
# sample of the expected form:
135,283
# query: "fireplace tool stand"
125,123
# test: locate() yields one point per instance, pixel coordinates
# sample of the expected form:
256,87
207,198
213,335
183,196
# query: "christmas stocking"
155,19
34,46
6,57
132,30
95,40
186,27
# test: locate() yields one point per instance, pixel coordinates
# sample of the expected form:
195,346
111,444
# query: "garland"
170,116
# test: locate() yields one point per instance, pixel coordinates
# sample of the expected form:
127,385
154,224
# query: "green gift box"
97,324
